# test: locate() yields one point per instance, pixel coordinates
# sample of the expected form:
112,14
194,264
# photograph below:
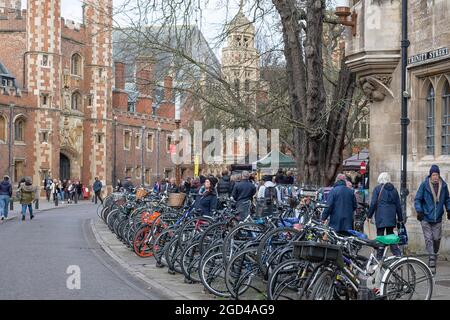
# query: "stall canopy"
284,161
354,162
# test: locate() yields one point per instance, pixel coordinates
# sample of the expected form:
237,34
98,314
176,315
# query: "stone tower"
98,22
240,59
43,80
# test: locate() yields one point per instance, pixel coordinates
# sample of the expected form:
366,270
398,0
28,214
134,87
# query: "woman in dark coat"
386,208
207,202
341,204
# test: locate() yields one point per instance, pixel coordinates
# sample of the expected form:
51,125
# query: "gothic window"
150,142
3,133
76,101
247,85
237,84
446,120
138,141
76,64
127,140
431,104
19,129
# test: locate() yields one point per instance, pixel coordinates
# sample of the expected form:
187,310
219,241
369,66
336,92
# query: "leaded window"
446,120
431,106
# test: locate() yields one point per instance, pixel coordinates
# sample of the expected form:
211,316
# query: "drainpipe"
114,174
10,150
404,118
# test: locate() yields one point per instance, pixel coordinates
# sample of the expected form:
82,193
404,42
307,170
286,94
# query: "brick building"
61,115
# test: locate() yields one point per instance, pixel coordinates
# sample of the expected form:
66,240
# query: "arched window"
3,133
76,64
76,101
431,105
446,119
19,130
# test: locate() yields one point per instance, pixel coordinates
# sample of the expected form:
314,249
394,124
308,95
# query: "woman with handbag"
386,208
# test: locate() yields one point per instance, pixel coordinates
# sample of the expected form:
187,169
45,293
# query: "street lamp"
158,150
404,118
177,136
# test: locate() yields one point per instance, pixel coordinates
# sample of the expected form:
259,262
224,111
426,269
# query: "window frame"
5,130
79,100
152,141
18,120
125,132
430,132
445,122
76,57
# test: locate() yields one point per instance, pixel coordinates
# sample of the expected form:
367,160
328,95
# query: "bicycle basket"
318,252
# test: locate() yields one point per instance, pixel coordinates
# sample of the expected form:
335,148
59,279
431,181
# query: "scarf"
437,196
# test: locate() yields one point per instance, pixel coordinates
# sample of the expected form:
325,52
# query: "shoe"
23,218
31,218
3,218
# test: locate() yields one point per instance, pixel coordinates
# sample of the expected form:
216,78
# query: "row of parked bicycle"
290,254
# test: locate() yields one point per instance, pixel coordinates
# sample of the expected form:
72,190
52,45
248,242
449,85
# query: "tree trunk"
296,72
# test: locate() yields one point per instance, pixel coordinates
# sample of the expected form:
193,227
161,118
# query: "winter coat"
172,188
5,188
341,203
207,203
386,207
425,203
27,193
97,186
243,191
262,191
224,185
128,185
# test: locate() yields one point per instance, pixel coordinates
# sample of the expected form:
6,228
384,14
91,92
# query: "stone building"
373,52
59,116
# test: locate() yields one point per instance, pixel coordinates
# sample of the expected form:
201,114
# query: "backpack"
270,195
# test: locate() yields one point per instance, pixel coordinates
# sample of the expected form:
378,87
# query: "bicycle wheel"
323,287
191,228
212,272
190,259
242,276
287,279
407,279
159,245
172,254
141,245
212,234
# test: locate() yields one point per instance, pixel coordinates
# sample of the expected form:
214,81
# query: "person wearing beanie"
430,201
341,203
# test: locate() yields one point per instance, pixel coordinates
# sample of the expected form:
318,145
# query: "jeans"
4,205
61,195
98,195
24,209
243,208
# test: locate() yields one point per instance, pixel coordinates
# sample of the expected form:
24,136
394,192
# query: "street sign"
363,168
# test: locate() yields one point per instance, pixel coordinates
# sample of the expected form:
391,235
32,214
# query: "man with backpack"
268,197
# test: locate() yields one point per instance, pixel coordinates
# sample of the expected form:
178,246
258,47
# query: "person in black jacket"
5,196
128,185
243,193
224,184
207,202
386,208
172,186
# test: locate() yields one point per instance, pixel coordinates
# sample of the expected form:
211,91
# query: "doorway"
64,167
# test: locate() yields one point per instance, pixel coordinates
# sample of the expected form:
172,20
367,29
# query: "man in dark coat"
128,184
431,200
341,206
97,187
243,193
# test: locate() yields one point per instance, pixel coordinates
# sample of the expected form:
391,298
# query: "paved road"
35,257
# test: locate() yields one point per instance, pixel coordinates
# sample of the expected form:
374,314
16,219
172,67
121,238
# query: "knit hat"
434,169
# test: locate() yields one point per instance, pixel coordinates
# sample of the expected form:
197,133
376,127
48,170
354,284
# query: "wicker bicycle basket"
176,200
141,193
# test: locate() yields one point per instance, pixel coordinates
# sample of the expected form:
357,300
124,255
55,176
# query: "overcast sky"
214,16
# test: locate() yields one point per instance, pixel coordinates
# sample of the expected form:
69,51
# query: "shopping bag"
402,234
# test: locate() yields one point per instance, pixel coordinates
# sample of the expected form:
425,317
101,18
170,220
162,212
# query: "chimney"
119,72
144,75
168,88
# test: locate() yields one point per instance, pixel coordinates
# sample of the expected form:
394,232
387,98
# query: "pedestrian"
55,189
27,195
280,177
64,191
207,202
386,208
430,201
48,188
341,206
156,187
290,178
128,184
268,197
79,192
172,186
5,197
97,187
224,185
71,189
243,193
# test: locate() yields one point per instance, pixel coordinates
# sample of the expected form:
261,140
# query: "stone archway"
69,164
